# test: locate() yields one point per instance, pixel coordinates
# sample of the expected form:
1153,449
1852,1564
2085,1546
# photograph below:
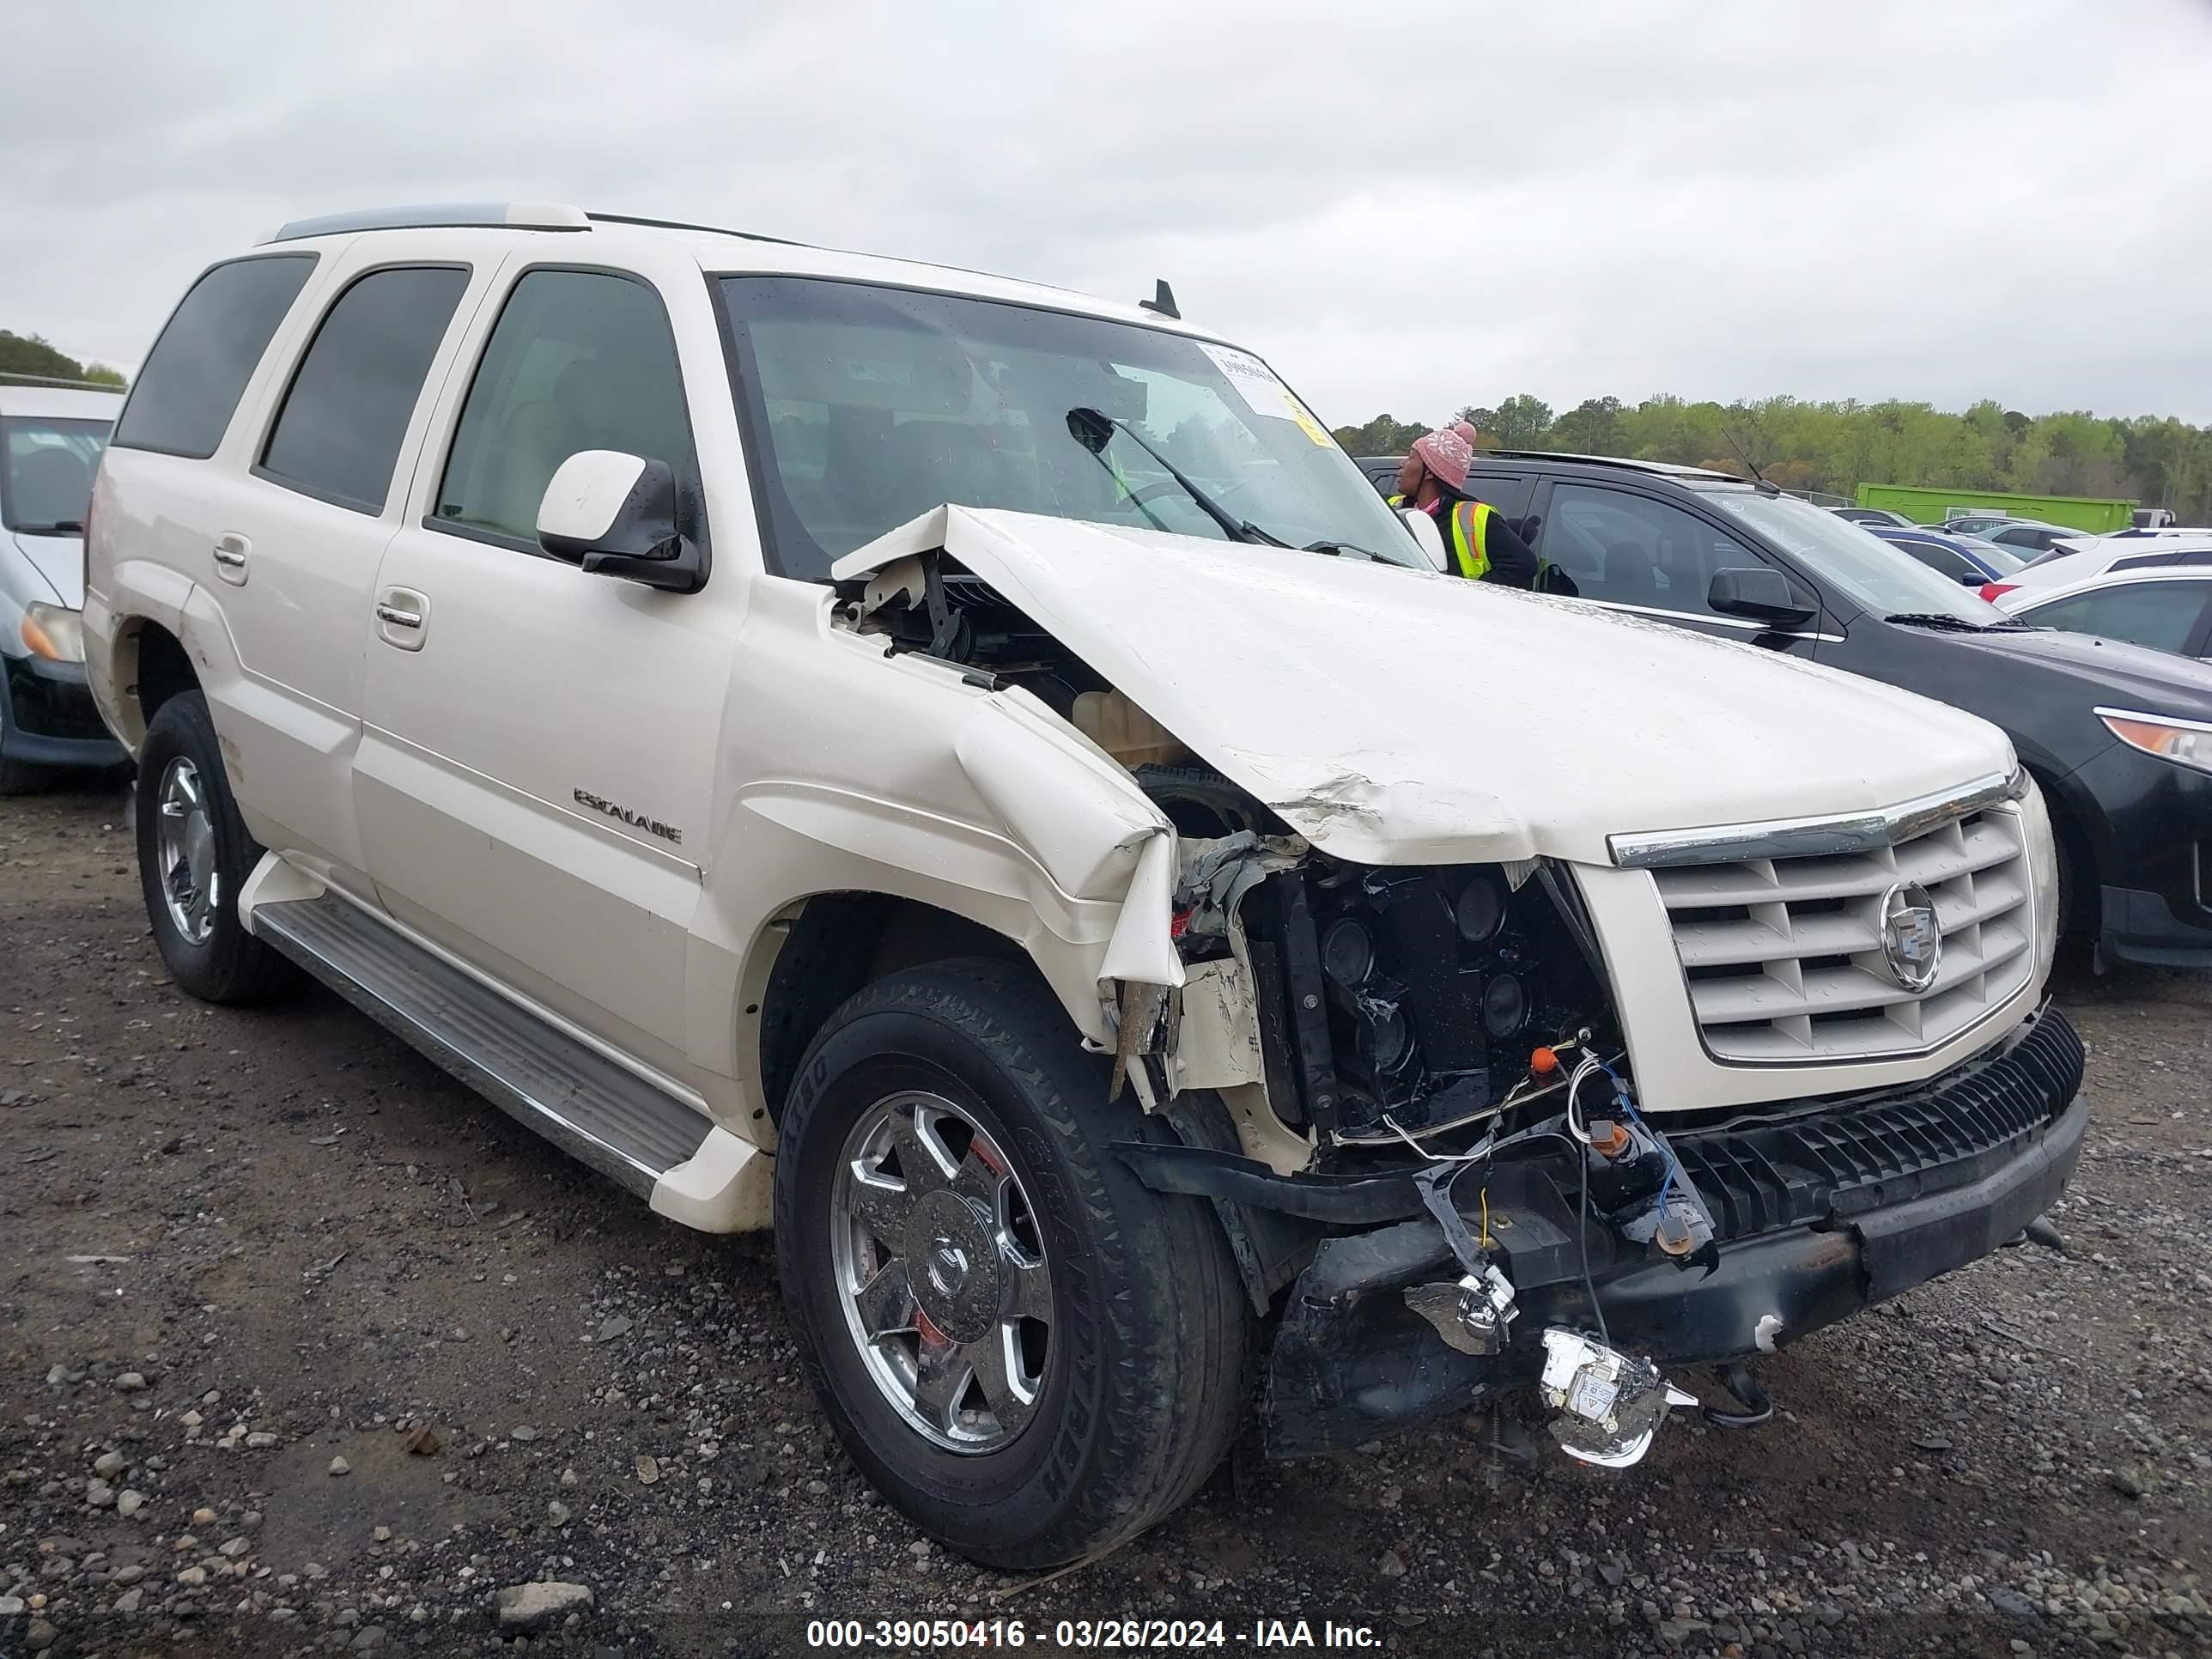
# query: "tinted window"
197,370
2161,614
46,471
578,360
339,432
1943,560
1631,550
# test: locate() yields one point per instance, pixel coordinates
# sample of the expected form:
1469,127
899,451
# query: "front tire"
1031,1354
194,855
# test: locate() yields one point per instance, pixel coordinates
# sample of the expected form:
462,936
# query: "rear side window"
197,370
338,435
578,360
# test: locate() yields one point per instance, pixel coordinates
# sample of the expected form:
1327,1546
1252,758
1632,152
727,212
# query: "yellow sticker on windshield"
1307,424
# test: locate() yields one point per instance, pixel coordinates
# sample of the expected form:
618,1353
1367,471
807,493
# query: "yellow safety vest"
1470,536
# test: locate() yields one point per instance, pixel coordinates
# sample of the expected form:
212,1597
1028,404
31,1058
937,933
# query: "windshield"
877,404
1887,580
46,471
2002,559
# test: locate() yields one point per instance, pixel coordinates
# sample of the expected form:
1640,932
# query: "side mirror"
1759,593
1425,532
1972,581
615,515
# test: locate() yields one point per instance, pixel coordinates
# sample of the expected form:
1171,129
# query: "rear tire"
1135,1363
194,855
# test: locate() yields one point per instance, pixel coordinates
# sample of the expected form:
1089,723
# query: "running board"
611,1119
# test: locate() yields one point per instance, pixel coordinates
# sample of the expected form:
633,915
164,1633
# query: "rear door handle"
230,552
402,617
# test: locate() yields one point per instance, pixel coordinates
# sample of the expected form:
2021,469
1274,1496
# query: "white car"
2167,606
971,776
51,436
2074,562
2029,537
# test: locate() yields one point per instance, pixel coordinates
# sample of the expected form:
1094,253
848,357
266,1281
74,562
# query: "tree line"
27,354
1836,446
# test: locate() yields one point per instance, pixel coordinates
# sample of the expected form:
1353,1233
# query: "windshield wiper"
59,527
1948,623
1368,554
1092,430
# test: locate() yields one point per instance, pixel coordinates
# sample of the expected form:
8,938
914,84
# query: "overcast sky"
1405,208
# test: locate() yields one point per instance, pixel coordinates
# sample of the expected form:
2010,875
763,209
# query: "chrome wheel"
940,1269
184,841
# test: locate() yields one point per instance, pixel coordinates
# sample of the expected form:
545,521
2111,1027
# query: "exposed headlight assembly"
2185,743
51,632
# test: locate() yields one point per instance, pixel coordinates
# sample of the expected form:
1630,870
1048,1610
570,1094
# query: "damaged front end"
1406,1092
1476,1207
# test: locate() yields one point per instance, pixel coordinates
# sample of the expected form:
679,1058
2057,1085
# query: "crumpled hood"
60,562
1395,716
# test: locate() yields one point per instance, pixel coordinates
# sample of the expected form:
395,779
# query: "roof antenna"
1162,300
1744,455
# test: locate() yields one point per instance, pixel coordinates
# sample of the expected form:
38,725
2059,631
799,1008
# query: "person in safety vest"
1483,547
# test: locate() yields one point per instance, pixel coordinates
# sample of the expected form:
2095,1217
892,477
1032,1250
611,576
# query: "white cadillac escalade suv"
972,777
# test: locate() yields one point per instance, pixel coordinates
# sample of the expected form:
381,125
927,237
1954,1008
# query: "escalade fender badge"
668,832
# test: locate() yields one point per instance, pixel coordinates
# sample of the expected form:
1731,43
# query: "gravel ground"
304,1348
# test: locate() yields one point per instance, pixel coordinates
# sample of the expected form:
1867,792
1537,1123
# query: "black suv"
2118,737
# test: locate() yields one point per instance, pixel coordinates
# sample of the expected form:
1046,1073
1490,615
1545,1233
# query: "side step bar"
611,1119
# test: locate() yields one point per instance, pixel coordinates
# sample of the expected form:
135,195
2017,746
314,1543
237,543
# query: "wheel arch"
821,950
150,666
2076,824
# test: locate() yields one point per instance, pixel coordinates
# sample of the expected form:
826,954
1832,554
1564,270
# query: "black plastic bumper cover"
1820,1218
51,719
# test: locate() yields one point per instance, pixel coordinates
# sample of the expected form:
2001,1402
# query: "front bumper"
51,719
1817,1215
2153,859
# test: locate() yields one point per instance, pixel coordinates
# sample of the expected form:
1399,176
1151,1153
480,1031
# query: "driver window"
578,360
1630,550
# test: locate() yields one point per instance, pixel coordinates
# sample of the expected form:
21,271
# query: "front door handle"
402,617
230,552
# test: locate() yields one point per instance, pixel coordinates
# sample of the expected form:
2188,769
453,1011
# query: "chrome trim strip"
1843,832
1705,617
2153,720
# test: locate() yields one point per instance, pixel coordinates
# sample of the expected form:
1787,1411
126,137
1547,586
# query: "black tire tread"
233,967
1184,1333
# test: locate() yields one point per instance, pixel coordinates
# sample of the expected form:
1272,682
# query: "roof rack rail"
682,224
489,216
8,377
1627,461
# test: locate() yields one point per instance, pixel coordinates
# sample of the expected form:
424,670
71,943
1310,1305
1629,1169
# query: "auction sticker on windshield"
1262,392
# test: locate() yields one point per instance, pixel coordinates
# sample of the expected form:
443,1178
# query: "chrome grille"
1785,955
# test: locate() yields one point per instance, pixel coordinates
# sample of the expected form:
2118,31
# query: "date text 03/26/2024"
1125,1635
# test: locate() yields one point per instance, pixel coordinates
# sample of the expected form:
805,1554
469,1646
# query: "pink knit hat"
1448,452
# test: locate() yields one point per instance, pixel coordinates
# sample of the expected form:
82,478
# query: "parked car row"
51,439
972,775
2115,733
